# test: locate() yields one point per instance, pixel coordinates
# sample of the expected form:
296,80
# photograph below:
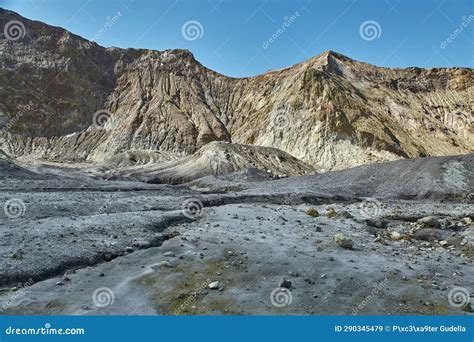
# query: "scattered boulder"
330,212
165,264
430,221
284,283
467,307
347,214
395,236
343,241
377,223
312,212
428,234
215,285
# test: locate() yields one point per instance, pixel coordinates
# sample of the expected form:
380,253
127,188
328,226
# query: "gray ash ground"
410,224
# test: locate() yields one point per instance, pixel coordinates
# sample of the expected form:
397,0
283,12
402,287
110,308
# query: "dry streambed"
398,257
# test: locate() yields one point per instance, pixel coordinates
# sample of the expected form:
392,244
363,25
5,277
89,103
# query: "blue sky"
233,37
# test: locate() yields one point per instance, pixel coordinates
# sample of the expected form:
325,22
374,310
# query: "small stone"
378,239
214,285
312,212
429,221
165,264
427,234
395,236
169,254
284,283
129,249
330,212
346,214
443,243
59,283
343,241
377,223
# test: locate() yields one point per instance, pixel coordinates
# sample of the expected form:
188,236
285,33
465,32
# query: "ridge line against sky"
247,38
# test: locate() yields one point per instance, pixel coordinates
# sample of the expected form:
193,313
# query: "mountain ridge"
329,111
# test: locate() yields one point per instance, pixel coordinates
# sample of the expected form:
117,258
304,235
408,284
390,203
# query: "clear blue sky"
412,32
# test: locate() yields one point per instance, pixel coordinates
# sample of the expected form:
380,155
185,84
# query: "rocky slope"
435,178
66,99
216,158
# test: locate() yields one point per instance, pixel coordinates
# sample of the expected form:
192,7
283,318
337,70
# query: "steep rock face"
52,81
330,111
166,100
